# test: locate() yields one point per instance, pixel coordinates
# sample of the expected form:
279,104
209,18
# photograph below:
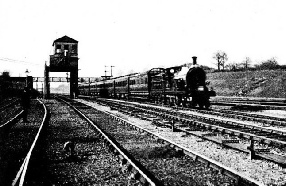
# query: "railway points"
146,143
126,110
92,161
147,118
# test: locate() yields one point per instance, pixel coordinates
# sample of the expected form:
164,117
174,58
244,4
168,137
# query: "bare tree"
221,58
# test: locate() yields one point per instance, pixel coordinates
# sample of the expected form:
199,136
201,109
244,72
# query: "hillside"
264,83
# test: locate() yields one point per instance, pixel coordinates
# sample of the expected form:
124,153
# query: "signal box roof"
65,39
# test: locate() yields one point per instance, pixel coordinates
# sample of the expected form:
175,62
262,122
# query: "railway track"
235,131
133,168
270,120
256,99
239,179
251,103
241,115
19,144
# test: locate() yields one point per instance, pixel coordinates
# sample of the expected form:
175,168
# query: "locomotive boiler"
187,85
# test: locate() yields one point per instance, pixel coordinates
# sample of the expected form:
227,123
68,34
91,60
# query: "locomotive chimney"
194,60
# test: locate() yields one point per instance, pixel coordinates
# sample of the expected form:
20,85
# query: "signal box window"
66,47
74,49
58,48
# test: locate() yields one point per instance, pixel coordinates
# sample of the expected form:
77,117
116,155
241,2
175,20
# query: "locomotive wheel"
193,104
201,103
207,104
178,100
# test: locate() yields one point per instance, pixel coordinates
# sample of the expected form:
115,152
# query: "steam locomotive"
180,85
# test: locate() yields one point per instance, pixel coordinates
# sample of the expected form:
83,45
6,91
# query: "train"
179,85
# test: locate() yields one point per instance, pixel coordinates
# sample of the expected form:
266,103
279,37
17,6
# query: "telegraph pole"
111,70
105,70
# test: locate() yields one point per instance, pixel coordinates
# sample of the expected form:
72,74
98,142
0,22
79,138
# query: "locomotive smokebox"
194,60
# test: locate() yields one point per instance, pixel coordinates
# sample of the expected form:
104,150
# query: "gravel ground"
265,172
171,167
92,163
16,145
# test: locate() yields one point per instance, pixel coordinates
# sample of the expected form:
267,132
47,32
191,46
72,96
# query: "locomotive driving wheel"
207,104
201,104
193,102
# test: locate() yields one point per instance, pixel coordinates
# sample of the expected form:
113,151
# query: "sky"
135,36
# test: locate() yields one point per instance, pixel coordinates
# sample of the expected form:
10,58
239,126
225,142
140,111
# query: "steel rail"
11,121
249,105
218,121
246,116
212,127
145,177
20,177
239,178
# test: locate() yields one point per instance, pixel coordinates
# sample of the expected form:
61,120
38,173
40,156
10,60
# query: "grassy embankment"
264,83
